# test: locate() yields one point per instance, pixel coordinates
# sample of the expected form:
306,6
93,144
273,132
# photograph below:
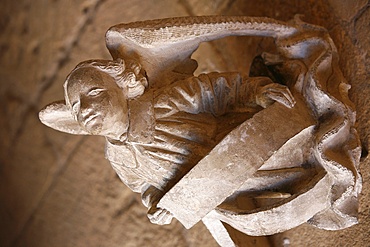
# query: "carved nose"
83,113
83,108
79,111
76,108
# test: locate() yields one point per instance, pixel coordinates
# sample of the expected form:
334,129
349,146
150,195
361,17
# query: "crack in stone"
66,49
47,80
360,13
132,202
355,19
47,189
61,57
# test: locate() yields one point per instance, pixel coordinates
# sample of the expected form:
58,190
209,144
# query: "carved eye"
95,91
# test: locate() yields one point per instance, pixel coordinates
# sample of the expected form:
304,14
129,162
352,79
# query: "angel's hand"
270,93
159,216
150,198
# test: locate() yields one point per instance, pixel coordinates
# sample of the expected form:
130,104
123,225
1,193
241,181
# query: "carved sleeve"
129,177
215,93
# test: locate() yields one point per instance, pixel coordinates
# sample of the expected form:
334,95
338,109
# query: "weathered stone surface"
354,59
130,121
26,58
233,161
37,187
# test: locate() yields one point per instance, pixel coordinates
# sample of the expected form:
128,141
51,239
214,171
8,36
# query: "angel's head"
96,96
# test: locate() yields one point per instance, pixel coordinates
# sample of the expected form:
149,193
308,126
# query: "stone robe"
173,128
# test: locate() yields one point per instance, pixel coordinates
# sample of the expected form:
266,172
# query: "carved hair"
129,77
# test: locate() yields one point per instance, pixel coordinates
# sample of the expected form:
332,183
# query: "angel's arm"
221,93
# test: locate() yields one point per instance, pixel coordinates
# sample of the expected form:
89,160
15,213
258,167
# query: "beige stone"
48,28
169,135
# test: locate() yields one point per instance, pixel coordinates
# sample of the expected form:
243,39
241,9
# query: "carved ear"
136,87
59,117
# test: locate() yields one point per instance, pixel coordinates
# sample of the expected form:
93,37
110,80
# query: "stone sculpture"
260,154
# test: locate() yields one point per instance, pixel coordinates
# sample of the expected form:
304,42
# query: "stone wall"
58,190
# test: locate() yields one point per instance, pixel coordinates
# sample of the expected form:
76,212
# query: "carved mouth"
89,118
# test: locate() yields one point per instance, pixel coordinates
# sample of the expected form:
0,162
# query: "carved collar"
141,128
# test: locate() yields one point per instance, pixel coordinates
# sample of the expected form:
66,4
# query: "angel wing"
164,47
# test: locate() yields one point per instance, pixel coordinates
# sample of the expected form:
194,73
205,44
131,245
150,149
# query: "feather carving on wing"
164,47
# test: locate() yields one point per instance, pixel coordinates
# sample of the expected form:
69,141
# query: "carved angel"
160,120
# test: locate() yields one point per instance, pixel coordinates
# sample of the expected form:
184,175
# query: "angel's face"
98,104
